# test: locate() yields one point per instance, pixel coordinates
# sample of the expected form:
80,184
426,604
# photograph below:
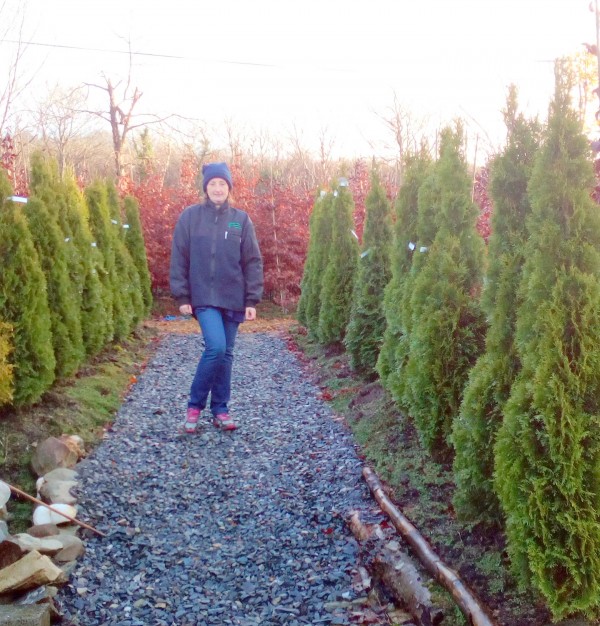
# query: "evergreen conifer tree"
126,271
24,303
447,327
491,378
103,231
367,319
401,256
318,254
548,446
339,275
428,203
134,240
88,268
309,279
6,368
52,248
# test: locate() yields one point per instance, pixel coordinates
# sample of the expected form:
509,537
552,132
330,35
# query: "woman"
216,275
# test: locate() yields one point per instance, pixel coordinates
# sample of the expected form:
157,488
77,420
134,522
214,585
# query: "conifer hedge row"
494,355
74,278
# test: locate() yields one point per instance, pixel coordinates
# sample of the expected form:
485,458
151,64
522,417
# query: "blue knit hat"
216,170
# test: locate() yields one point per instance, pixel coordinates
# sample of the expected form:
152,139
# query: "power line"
132,52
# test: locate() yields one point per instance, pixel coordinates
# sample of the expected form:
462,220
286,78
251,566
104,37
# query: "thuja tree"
447,326
491,378
24,303
367,319
316,262
401,255
6,368
428,203
51,245
338,278
105,236
548,447
88,268
126,270
134,240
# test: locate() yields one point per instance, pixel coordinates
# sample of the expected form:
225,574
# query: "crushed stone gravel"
244,527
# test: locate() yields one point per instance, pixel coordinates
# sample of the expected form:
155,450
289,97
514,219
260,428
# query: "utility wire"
131,52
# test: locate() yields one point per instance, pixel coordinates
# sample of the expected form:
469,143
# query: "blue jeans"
213,374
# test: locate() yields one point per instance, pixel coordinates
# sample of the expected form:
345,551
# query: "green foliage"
447,324
548,447
338,279
6,369
51,245
367,319
86,269
127,274
103,231
393,351
491,378
134,240
319,246
24,303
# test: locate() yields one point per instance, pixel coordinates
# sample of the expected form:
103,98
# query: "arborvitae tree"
316,262
428,203
103,231
448,327
490,380
134,240
338,279
24,303
307,285
548,447
367,319
127,272
6,368
404,242
88,268
49,240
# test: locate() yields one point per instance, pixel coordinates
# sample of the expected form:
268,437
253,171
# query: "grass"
84,405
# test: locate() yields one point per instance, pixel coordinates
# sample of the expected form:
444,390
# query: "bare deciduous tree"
122,101
60,123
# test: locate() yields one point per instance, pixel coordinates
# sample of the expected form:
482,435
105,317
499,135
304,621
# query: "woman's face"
217,190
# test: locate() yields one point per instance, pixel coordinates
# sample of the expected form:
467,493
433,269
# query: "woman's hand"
185,309
250,313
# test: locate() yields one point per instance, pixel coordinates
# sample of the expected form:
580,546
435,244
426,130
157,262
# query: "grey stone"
61,473
58,491
30,615
51,454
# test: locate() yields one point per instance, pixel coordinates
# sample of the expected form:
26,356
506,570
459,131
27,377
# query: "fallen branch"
48,506
395,571
448,578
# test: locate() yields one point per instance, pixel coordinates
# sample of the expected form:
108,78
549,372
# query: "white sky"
315,64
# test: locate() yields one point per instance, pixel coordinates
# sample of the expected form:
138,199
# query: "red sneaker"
191,420
224,422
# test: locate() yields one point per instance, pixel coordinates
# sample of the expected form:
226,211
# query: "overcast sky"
315,64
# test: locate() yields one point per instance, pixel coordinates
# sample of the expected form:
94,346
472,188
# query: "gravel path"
219,528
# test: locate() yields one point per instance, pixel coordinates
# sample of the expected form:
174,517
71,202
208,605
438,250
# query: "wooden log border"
448,578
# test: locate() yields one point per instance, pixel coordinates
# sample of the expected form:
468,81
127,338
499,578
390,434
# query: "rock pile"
35,563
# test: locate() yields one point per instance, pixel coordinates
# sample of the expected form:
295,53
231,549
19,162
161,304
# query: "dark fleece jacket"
215,258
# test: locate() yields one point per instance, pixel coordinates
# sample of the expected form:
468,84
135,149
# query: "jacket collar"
211,205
